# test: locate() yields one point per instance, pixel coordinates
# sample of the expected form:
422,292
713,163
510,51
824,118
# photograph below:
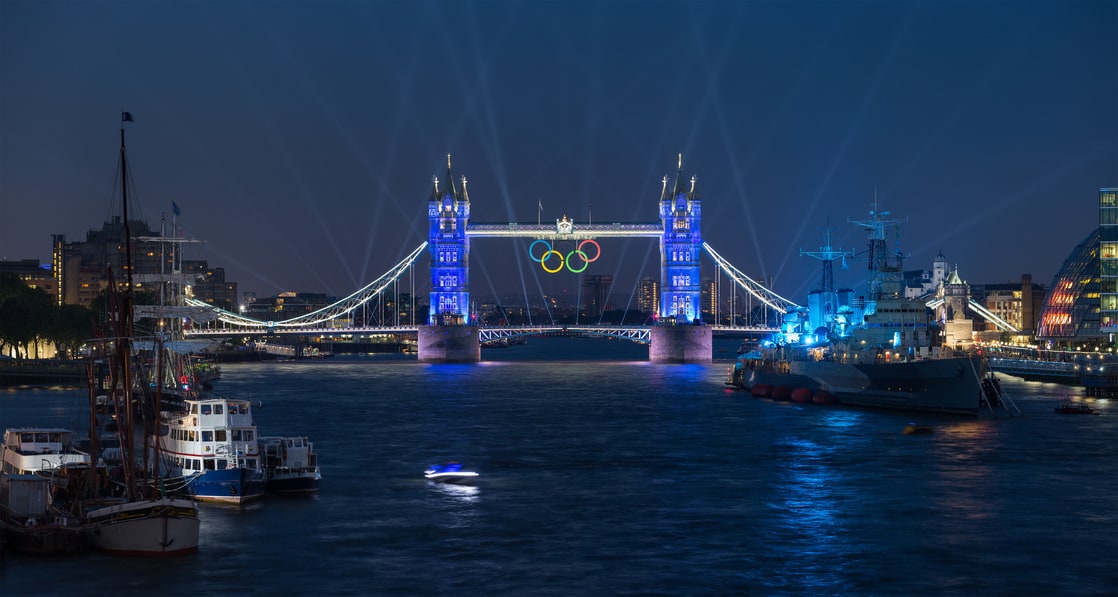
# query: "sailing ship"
134,514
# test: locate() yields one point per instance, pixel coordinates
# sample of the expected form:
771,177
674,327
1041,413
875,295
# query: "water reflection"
456,506
463,493
810,503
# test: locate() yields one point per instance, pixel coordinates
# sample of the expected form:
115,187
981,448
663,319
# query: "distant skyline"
299,139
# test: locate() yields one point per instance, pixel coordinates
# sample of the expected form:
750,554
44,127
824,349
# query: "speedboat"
450,472
1071,407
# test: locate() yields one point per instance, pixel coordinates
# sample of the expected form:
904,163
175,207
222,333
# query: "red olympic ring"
546,256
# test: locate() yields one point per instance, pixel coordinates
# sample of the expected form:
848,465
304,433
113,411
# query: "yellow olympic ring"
543,261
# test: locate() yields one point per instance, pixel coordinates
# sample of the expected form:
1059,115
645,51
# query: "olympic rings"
546,256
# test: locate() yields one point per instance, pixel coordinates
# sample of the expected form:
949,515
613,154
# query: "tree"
73,325
25,314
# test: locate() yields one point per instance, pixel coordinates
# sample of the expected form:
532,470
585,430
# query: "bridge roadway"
638,334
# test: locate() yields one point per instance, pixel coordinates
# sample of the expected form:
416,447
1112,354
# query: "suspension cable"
329,312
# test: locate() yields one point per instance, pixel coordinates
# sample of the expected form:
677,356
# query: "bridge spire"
681,243
448,214
448,186
680,187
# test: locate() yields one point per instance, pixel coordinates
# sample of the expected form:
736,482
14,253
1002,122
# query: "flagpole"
539,213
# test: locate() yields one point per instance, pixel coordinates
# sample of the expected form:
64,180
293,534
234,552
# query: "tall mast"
124,339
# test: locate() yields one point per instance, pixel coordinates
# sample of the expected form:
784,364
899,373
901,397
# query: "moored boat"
132,513
31,449
877,350
33,469
212,445
291,464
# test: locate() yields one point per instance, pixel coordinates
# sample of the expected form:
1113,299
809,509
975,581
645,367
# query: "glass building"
1081,308
1108,261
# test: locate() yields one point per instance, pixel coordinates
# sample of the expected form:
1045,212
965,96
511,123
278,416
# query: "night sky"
299,139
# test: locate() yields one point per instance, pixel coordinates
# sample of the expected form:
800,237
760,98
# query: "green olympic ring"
563,261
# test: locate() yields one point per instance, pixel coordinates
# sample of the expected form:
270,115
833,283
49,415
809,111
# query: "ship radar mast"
828,254
881,272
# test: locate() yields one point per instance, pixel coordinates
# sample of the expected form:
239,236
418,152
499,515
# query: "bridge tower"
449,335
679,337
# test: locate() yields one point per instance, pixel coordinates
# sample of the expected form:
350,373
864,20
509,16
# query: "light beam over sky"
299,138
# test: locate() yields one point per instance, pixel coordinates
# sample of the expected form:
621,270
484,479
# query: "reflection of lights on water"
967,430
464,493
843,418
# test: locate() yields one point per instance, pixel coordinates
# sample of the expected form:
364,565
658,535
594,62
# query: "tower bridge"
450,333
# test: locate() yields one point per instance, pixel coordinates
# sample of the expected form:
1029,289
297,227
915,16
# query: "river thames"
602,473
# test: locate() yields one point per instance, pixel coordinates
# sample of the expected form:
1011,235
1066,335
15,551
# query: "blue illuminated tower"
448,211
680,248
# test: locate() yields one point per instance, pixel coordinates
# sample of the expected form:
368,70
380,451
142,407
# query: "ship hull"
293,483
156,527
228,486
949,386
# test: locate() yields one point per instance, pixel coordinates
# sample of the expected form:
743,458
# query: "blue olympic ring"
546,256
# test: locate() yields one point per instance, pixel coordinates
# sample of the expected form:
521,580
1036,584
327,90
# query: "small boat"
1071,407
450,472
914,429
291,464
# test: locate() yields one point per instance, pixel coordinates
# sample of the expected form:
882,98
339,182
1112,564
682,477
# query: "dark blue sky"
299,138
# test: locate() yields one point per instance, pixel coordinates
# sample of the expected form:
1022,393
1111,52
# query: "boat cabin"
35,449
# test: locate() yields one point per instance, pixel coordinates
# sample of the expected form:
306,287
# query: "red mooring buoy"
801,395
823,397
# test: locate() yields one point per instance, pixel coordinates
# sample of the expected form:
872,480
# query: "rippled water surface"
611,475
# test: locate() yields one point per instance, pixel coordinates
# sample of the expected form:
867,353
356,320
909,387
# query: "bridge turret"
680,249
448,214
